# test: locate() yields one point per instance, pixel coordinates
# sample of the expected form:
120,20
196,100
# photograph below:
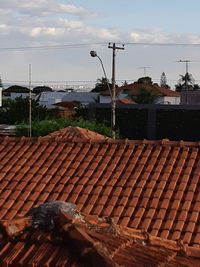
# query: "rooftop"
135,87
149,185
78,134
82,240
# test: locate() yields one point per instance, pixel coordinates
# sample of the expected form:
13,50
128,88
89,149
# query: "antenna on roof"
145,70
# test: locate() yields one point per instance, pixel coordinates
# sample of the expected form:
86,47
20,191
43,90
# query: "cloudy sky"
56,36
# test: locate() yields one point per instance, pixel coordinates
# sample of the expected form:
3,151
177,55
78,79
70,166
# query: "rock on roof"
150,185
87,241
78,134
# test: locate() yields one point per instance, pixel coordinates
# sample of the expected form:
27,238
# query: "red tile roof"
150,185
82,240
66,104
78,134
135,88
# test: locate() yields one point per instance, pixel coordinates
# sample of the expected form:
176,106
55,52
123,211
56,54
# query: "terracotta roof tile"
143,184
90,241
77,134
135,87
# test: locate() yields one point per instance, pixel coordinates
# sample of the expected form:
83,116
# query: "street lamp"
112,96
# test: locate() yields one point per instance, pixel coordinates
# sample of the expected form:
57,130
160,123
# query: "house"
56,234
149,188
164,95
84,98
15,91
49,99
66,109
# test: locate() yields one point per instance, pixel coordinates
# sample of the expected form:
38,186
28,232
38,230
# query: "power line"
46,47
164,44
81,45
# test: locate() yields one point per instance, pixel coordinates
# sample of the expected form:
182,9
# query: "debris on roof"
150,185
43,216
87,241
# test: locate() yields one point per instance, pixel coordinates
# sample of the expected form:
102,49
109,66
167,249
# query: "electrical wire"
47,47
81,45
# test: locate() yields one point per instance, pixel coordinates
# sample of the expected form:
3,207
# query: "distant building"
84,98
49,99
15,91
190,97
165,95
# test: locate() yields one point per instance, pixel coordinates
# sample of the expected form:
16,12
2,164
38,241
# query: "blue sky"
171,15
28,23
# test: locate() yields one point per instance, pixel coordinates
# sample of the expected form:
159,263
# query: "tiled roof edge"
81,223
164,142
147,239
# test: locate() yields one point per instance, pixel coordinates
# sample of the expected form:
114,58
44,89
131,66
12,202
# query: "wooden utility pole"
113,100
186,61
30,104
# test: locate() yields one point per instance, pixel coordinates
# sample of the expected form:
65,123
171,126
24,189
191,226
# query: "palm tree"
101,85
185,82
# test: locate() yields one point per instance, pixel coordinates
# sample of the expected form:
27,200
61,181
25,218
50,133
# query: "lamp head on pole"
93,53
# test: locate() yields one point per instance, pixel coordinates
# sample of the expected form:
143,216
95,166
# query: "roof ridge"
107,140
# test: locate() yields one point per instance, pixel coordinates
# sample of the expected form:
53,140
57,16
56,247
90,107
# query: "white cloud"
4,29
159,36
49,31
44,8
151,35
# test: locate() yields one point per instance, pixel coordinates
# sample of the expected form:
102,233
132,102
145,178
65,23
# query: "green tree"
146,96
186,82
44,127
17,110
101,85
39,89
163,81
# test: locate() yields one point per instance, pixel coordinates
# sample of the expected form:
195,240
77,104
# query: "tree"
44,127
125,83
186,82
145,80
40,89
102,85
17,110
146,96
163,81
1,84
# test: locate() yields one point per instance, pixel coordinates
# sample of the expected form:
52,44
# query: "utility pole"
186,61
1,92
113,117
30,100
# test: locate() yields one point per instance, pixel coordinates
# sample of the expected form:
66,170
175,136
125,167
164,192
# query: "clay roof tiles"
149,185
77,134
135,89
82,240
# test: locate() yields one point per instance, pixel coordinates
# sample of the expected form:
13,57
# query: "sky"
55,38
